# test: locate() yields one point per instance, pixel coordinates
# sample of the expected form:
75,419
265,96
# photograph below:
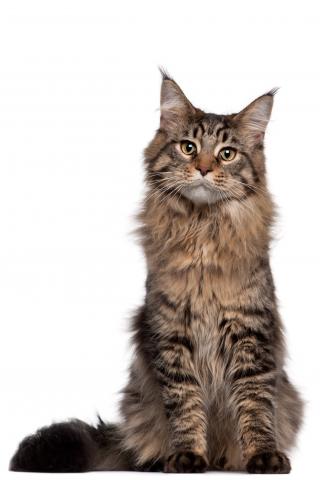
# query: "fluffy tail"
72,446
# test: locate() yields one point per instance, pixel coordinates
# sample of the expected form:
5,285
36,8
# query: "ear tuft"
273,91
164,73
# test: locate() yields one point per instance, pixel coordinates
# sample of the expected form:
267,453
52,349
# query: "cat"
207,387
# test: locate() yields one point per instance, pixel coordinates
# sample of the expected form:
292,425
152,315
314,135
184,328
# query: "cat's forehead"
211,128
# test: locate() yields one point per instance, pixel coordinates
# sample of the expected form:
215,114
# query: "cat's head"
204,157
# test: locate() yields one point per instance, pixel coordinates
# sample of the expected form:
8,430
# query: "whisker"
254,188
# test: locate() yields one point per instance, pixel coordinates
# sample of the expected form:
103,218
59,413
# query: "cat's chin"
201,194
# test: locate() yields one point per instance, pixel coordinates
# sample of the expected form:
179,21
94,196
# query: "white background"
79,96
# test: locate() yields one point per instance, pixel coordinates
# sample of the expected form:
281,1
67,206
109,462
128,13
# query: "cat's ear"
253,120
174,106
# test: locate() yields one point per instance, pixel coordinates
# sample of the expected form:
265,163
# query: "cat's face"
203,157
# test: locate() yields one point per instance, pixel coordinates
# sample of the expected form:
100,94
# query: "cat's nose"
203,169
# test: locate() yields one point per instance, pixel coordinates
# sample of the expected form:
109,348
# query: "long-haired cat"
207,386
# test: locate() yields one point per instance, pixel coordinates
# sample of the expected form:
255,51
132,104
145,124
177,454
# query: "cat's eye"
227,154
187,147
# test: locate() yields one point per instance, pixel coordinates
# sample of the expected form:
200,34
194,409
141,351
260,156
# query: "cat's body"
207,387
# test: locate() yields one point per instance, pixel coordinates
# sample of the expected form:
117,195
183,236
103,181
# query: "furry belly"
207,362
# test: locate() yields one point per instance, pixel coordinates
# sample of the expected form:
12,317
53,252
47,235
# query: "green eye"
187,147
227,154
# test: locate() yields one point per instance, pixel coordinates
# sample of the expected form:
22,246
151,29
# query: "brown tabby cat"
207,388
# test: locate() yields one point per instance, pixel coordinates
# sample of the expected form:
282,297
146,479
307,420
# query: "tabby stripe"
176,348
181,340
219,130
258,398
187,314
246,332
248,188
202,128
251,389
252,371
253,169
252,411
256,436
225,136
185,431
163,297
250,311
224,322
185,444
162,149
259,430
177,377
247,335
171,405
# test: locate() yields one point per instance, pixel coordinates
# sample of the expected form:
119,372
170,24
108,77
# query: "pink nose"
204,169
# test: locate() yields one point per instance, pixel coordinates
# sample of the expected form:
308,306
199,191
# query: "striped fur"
207,387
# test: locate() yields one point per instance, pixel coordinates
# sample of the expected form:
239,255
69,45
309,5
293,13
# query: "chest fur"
197,292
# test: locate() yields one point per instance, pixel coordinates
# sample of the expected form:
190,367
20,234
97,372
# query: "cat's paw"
185,462
269,462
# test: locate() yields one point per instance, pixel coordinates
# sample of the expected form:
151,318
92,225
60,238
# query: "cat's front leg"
251,372
183,401
187,420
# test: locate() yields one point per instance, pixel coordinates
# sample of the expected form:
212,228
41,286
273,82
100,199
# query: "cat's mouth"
202,192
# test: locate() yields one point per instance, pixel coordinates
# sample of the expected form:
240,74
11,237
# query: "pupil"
189,147
227,153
